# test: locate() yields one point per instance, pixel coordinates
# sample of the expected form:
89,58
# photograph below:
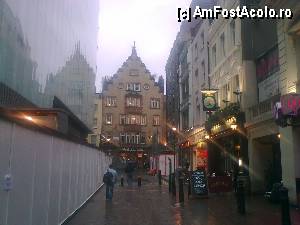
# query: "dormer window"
133,87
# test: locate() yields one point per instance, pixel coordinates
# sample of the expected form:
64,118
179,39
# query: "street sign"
199,182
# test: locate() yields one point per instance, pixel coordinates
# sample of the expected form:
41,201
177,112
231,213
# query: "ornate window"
122,119
156,121
110,101
143,120
146,86
155,103
133,119
133,101
108,119
131,138
133,87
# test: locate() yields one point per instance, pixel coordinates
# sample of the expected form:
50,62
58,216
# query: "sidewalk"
153,205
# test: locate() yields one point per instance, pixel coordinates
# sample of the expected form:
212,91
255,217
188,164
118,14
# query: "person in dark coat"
129,173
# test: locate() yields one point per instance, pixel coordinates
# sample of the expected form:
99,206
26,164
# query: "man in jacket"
110,178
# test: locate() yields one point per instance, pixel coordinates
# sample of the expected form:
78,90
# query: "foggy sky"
152,24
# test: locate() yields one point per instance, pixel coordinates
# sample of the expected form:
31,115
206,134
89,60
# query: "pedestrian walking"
129,173
109,179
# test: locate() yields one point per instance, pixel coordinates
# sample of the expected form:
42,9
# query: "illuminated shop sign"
290,104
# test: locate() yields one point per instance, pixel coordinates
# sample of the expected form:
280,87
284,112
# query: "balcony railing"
261,111
133,110
132,128
131,145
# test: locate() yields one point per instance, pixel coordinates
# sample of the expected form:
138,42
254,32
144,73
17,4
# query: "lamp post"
174,145
238,94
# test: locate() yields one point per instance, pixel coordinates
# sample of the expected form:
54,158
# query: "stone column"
290,153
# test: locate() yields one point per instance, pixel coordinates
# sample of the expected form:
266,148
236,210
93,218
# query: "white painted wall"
51,177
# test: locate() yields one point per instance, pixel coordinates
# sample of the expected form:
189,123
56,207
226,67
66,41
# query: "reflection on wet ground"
152,205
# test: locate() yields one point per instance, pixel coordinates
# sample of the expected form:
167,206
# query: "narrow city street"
151,204
197,102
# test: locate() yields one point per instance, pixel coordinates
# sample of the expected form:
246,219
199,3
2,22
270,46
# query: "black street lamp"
238,94
174,145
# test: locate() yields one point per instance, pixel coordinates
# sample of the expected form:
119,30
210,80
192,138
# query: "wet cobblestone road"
152,205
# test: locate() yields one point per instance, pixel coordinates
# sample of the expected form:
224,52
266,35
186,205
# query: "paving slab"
152,204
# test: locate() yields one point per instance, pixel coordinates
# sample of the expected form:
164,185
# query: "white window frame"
137,87
110,101
144,120
129,87
127,138
156,120
155,103
108,119
133,102
122,117
137,138
123,135
133,87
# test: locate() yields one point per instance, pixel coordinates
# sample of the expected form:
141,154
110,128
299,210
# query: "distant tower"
161,83
74,84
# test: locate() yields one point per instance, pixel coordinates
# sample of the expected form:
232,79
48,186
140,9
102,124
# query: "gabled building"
74,84
133,110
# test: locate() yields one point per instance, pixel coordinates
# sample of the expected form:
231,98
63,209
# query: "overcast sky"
151,23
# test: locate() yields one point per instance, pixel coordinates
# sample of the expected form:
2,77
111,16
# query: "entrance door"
267,165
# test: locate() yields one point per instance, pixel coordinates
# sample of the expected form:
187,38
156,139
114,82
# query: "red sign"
267,64
201,158
202,153
219,184
290,104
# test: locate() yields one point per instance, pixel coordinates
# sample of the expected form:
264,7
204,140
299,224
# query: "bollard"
189,188
241,197
173,184
122,181
170,175
181,192
285,206
139,181
159,177
170,183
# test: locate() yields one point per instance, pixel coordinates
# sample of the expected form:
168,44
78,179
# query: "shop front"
227,142
193,150
227,149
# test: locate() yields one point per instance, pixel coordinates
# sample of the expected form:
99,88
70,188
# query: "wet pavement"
153,205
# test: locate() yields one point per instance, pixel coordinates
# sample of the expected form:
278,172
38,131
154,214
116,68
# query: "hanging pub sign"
199,182
209,100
